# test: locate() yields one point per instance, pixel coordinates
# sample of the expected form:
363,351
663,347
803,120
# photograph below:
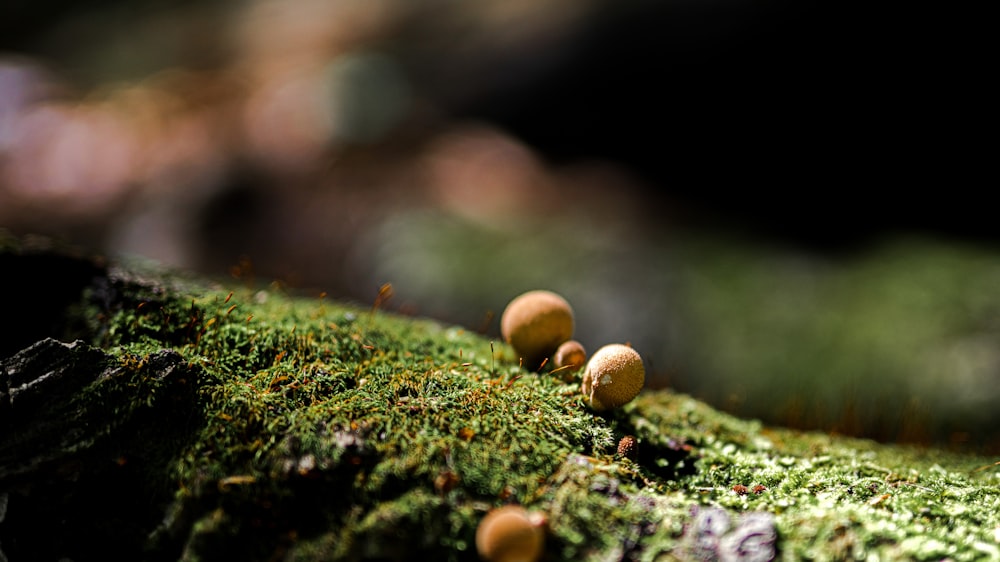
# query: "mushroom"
628,447
570,355
535,323
613,377
511,534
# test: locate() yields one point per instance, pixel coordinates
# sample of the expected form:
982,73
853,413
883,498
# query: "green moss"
302,429
356,407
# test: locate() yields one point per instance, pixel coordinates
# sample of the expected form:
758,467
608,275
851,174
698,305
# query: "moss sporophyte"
244,423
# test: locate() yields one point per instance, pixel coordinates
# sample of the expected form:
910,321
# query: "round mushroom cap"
535,323
570,354
613,377
510,534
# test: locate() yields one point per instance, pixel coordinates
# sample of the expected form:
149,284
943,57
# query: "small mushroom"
511,534
570,355
628,447
613,377
535,324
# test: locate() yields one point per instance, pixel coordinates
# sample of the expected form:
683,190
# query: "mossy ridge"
328,428
357,406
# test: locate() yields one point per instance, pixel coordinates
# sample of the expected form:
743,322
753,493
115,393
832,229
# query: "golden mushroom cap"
510,534
535,323
614,376
570,354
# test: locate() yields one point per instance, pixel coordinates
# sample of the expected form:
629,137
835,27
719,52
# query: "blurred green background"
779,204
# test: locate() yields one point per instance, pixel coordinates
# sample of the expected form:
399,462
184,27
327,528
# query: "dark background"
649,160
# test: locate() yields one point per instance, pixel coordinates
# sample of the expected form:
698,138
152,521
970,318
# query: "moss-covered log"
171,419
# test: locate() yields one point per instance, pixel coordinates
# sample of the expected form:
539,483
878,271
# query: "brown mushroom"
628,447
570,356
511,534
613,377
535,324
